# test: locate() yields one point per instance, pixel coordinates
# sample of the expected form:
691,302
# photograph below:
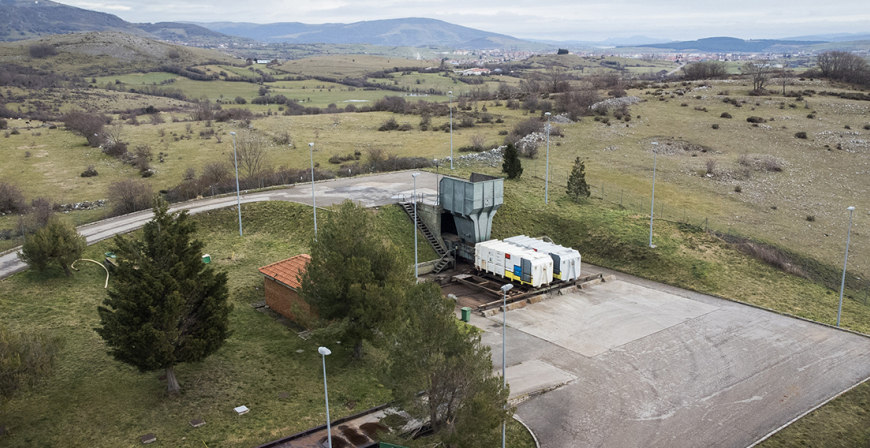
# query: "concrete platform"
656,366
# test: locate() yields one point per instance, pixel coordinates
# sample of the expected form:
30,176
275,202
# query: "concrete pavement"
639,364
370,191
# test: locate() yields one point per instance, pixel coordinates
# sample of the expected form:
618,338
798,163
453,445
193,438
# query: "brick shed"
281,284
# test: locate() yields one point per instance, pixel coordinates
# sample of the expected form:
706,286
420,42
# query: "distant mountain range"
733,45
409,32
606,43
25,19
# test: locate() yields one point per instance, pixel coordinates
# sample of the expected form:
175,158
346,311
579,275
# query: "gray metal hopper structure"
472,204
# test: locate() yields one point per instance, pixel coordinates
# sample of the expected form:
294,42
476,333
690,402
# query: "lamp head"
507,288
850,208
547,114
415,174
450,93
311,144
324,351
233,134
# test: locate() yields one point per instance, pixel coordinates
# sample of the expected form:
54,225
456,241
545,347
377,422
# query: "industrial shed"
281,284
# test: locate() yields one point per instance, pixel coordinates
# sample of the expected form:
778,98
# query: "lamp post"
845,260
547,182
313,200
323,352
416,276
437,183
652,206
238,195
450,95
504,290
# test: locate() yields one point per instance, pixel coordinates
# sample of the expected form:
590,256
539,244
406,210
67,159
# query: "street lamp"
238,195
504,290
313,200
416,278
437,183
547,182
450,95
325,351
846,260
652,206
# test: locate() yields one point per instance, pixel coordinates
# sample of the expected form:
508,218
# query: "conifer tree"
165,305
463,403
577,187
355,280
512,165
57,241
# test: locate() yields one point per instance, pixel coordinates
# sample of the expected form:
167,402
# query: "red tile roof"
286,271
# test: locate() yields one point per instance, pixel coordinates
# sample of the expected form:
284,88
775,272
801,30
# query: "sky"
561,20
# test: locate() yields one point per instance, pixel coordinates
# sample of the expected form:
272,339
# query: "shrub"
240,100
389,125
772,164
11,199
40,51
57,241
756,120
725,115
3,124
89,172
711,166
87,125
867,127
801,134
715,126
738,189
811,218
128,196
811,116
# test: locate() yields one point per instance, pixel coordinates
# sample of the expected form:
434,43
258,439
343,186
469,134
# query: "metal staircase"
445,257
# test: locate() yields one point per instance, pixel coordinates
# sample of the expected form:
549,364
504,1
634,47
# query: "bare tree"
128,196
113,133
251,151
785,76
88,125
843,66
759,72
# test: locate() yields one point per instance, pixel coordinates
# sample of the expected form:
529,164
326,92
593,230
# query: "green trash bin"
206,258
466,314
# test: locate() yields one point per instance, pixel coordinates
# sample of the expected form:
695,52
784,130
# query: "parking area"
633,363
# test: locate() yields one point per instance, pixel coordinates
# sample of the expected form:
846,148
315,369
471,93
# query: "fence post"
705,225
621,192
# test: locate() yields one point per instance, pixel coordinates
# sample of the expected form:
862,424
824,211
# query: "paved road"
370,191
643,364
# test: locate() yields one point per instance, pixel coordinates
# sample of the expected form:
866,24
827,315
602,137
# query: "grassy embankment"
94,401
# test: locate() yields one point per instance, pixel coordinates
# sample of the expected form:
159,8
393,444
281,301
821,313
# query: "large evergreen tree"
578,189
462,401
355,280
512,165
165,306
57,241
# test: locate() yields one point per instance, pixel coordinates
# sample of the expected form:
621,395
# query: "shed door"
527,270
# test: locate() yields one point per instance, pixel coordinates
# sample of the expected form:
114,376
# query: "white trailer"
566,261
516,263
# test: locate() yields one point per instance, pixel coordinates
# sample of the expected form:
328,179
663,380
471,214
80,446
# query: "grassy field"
792,191
842,423
94,401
